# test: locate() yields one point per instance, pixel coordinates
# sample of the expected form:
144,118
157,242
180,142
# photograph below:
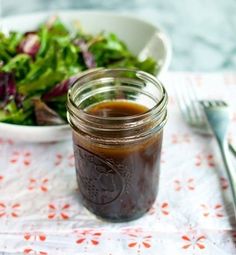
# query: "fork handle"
232,149
231,172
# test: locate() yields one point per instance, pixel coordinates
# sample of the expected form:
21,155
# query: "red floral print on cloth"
224,183
88,238
1,181
187,184
160,208
67,160
6,141
35,236
40,184
193,240
138,239
34,252
21,158
180,138
163,157
202,159
212,211
9,210
59,211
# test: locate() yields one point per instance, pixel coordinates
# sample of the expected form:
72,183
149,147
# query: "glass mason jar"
117,158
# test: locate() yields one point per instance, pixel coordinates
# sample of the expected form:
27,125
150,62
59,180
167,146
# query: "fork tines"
213,103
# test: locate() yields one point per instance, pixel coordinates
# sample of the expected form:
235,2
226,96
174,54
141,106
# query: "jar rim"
158,107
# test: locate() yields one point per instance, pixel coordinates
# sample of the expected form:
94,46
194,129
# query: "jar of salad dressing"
117,117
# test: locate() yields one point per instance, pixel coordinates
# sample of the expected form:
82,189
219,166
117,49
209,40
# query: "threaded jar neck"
101,85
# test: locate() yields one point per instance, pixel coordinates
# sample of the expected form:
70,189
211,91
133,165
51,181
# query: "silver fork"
192,112
217,113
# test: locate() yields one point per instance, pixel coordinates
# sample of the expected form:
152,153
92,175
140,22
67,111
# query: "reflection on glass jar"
117,117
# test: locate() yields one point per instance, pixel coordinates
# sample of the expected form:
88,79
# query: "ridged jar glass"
117,158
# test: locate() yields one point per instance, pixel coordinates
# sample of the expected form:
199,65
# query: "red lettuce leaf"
60,89
3,82
30,44
87,55
45,115
7,87
8,90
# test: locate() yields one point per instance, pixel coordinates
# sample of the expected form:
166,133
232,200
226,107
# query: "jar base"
118,220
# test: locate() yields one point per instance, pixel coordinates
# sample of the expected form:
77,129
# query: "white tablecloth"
193,214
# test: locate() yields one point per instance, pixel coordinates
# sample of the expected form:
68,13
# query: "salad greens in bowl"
39,64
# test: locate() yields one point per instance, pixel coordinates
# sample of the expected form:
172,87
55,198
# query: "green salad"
38,67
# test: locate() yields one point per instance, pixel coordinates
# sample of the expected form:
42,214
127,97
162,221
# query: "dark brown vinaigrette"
117,183
117,108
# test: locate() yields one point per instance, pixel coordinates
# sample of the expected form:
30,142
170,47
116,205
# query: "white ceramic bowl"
142,38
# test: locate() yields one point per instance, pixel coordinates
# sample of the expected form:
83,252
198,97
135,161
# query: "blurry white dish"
141,37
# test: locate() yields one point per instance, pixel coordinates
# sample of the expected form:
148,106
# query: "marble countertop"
202,32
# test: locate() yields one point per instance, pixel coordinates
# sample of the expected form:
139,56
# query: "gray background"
203,32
